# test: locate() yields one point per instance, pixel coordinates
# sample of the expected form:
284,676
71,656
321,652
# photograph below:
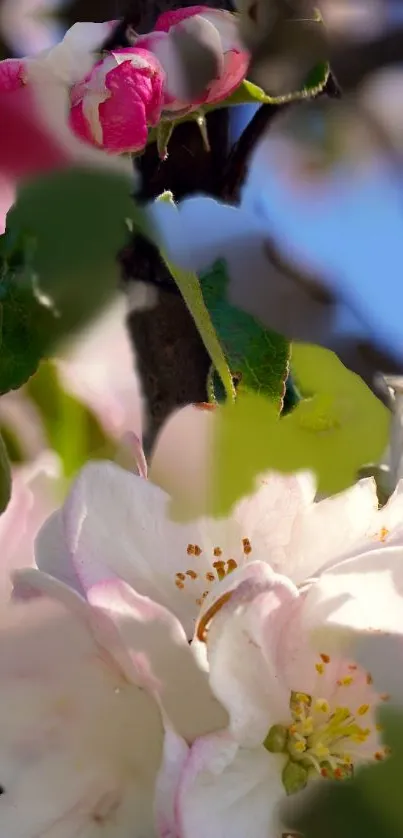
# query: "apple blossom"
119,99
115,522
219,28
298,712
85,690
34,104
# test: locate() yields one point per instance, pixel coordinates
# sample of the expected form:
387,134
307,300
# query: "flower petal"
236,789
51,553
363,593
117,524
325,531
242,650
174,757
155,638
66,731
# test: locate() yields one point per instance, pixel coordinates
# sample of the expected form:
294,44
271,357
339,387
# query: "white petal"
174,756
268,517
73,58
242,649
51,553
235,791
331,528
70,755
364,593
118,524
155,640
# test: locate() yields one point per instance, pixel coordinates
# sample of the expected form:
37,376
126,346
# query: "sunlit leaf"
257,357
341,426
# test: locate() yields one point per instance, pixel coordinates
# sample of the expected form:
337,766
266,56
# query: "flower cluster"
116,96
133,728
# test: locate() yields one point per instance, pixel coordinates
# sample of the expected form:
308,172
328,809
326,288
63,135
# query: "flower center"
201,570
326,740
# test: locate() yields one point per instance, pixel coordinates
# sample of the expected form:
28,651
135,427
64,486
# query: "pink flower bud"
117,101
223,35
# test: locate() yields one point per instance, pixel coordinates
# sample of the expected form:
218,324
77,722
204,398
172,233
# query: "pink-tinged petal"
71,759
161,655
174,86
325,531
136,540
242,641
189,432
26,146
51,553
174,756
98,368
362,593
124,124
236,790
169,19
12,74
79,123
222,34
120,98
33,498
234,71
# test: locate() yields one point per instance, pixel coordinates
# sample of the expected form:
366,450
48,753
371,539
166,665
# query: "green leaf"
258,358
71,428
370,804
5,477
189,286
334,432
25,328
59,262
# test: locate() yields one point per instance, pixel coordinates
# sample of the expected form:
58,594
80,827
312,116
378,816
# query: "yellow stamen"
220,569
363,709
345,682
322,705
